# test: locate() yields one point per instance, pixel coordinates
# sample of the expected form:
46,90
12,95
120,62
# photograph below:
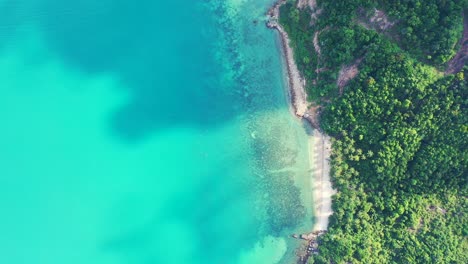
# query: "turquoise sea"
147,132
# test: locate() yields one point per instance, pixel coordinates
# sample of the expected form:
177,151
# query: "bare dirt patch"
347,73
315,14
437,209
316,43
457,63
323,69
312,4
378,21
317,49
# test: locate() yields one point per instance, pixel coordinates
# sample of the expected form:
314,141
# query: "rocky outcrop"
311,247
296,82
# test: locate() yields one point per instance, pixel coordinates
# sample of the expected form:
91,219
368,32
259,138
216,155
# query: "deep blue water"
146,132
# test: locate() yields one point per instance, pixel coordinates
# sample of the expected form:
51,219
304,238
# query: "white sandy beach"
319,159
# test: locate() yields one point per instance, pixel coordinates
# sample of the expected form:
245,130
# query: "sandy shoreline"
296,82
319,158
319,143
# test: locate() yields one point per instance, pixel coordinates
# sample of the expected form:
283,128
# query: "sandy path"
316,45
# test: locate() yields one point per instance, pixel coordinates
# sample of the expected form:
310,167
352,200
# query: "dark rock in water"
309,236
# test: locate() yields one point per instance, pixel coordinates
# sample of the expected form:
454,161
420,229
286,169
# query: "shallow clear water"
146,132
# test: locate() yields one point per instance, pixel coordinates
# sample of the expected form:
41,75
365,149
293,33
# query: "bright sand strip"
319,159
319,143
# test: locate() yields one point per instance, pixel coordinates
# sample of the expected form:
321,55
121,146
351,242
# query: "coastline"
319,144
319,158
350,151
298,97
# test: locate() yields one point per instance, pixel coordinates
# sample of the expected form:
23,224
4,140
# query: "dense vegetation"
400,128
400,161
427,30
301,33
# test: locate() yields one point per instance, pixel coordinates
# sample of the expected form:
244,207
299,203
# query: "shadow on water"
161,50
218,226
308,128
